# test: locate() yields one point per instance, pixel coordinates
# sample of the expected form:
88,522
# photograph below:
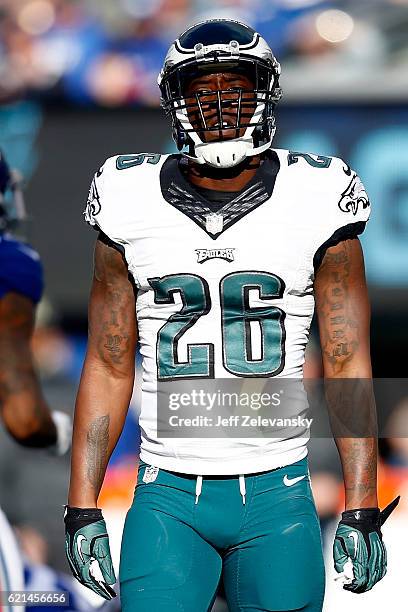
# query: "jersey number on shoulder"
239,321
128,161
320,161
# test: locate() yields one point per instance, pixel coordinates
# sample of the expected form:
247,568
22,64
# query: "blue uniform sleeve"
20,269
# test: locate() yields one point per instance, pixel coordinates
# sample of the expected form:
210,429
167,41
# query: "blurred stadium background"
78,84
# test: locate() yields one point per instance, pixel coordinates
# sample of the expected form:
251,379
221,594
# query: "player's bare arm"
107,378
344,319
23,408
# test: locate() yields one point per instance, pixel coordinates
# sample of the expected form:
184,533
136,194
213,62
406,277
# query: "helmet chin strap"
227,153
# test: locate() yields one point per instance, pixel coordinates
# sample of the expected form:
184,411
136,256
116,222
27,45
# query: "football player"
213,260
23,408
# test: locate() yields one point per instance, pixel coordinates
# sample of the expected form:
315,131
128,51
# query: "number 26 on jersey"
237,322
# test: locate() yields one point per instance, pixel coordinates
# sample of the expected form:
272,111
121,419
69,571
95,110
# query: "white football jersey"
227,293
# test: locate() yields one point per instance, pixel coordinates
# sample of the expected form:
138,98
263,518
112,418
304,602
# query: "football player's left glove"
359,552
87,550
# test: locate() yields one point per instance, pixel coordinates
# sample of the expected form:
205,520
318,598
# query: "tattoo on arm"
97,443
113,344
344,315
337,316
112,310
108,373
114,334
359,463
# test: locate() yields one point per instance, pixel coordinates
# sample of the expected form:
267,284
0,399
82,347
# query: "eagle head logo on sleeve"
354,196
93,205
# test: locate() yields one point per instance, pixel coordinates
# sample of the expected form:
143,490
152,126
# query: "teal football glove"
359,552
87,550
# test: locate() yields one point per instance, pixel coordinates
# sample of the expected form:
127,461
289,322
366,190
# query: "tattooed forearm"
97,443
352,414
359,463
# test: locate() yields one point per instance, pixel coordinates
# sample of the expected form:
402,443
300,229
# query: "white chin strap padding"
228,153
223,154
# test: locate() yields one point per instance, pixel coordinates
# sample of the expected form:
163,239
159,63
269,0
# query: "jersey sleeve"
353,203
105,209
349,209
21,270
98,198
110,209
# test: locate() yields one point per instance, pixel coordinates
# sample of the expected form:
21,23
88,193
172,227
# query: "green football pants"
260,532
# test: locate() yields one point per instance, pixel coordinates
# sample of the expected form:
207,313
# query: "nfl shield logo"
214,223
150,474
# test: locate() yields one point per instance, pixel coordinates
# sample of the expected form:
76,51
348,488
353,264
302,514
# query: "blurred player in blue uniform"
23,409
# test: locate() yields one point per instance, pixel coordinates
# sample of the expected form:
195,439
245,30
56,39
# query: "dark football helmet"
219,46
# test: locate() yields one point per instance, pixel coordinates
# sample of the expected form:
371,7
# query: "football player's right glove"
359,552
87,550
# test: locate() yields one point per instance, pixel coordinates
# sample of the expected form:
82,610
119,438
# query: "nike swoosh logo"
354,535
289,482
79,541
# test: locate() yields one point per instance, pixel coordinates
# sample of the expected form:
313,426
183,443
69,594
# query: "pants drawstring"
199,486
242,488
